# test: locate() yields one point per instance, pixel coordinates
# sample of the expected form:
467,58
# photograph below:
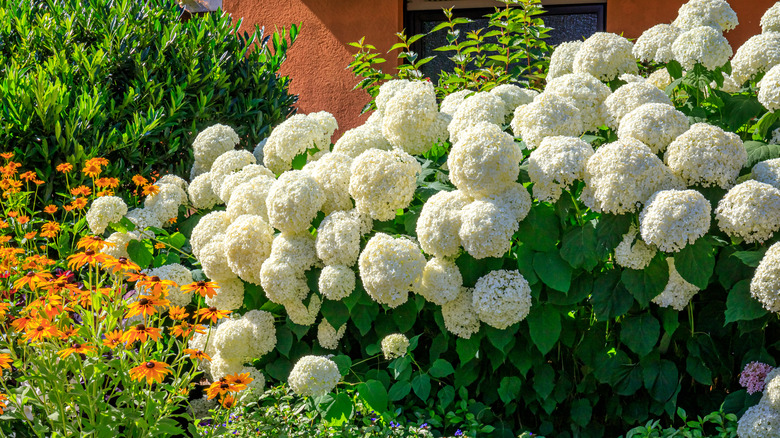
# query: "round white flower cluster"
451,102
390,268
302,314
165,203
502,298
226,164
247,245
177,274
768,172
716,14
230,295
144,218
358,140
562,59
296,136
120,242
394,345
630,97
588,94
487,225
382,182
660,78
293,201
201,194
439,223
328,336
246,174
332,172
336,282
633,253
213,261
765,285
757,55
210,144
513,96
750,211
770,21
556,164
282,275
759,421
605,56
707,155
105,210
338,237
654,124
702,45
410,116
769,89
441,281
548,115
620,176
250,198
460,316
655,44
387,91
314,376
673,219
775,137
484,161
251,336
474,110
208,226
678,292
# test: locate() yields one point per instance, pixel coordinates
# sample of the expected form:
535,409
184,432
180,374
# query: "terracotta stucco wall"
318,60
632,17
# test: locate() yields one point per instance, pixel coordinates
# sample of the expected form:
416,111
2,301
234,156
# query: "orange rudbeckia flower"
177,313
212,313
153,371
76,348
113,338
204,288
81,190
197,354
64,167
78,260
5,362
141,333
139,180
50,209
50,229
92,242
121,264
145,306
32,280
40,329
185,329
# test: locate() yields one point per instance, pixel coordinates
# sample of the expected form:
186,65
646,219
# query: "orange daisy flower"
92,242
5,362
104,193
197,354
7,155
38,330
4,309
79,203
153,371
227,401
177,313
81,190
28,176
68,333
50,229
156,285
32,280
141,333
150,189
133,277
185,329
211,313
203,288
3,405
159,245
3,224
30,235
64,167
21,324
76,348
50,209
23,219
97,161
92,170
113,338
67,207
78,260
121,264
219,387
239,381
38,182
13,213
139,180
145,306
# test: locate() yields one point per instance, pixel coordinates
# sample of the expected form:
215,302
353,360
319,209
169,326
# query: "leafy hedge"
131,82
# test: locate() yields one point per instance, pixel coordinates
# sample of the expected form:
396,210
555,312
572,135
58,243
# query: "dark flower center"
122,259
201,284
89,252
224,386
212,309
39,328
140,327
76,346
155,278
149,364
31,274
143,301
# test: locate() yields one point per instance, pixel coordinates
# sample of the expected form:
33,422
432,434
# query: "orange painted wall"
317,61
632,17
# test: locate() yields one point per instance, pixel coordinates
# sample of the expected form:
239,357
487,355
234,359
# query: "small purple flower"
458,432
752,377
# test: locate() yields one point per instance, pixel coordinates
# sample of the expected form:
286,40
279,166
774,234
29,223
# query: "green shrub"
131,82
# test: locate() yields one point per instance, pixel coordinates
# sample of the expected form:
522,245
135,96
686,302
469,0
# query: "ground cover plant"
597,257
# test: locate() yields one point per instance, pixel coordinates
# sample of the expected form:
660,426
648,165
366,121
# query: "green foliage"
131,82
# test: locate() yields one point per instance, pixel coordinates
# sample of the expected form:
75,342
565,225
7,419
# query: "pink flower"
752,377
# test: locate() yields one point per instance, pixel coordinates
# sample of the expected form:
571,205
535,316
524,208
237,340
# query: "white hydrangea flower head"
633,253
716,14
548,115
382,182
410,114
258,151
660,78
103,211
750,211
513,96
176,273
620,176
605,56
484,161
390,268
246,174
487,229
375,119
144,218
208,226
314,376
562,59
226,164
257,385
436,133
282,283
460,317
249,198
394,345
332,172
210,144
293,201
172,179
655,44
729,85
387,91
358,140
165,203
328,125
772,392
654,124
251,336
556,164
628,78
757,55
200,407
439,223
336,282
476,109
338,238
769,89
295,250
672,219
451,102
707,155
328,336
221,367
441,281
770,21
213,259
588,94
515,200
230,295
775,137
765,285
630,97
702,45
759,421
197,170
247,245
678,292
768,172
292,137
201,194
301,314
120,242
502,298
